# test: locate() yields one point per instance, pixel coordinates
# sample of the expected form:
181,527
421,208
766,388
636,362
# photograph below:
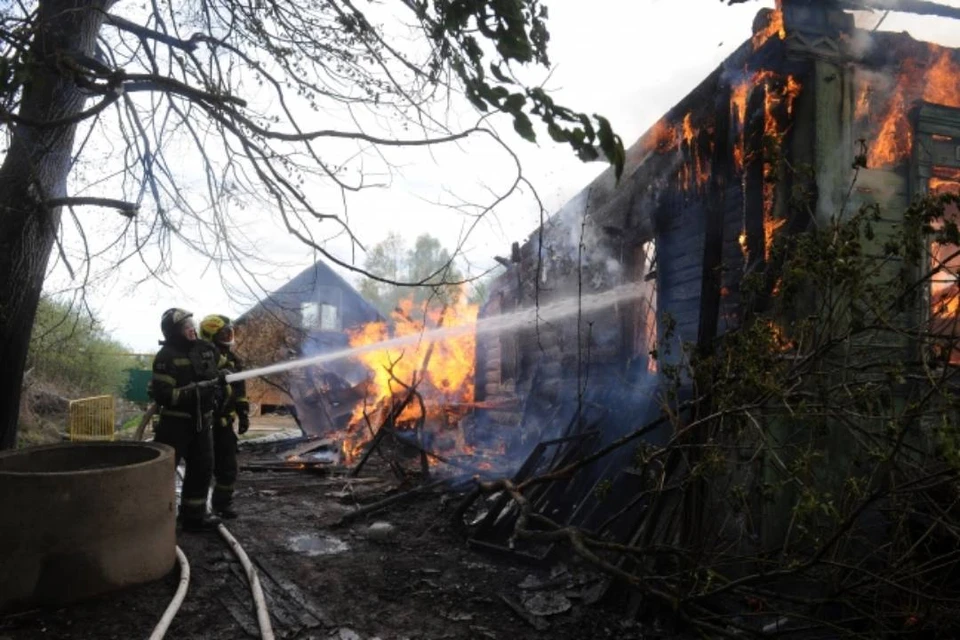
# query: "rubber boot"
227,512
206,522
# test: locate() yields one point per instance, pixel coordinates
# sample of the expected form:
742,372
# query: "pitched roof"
303,286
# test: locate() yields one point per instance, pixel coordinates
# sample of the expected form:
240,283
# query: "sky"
628,60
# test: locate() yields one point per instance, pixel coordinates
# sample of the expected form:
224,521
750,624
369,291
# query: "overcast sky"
629,60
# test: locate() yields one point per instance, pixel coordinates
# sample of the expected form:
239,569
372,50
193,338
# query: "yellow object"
91,419
212,325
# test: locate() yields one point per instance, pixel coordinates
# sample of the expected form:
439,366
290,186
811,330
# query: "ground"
416,579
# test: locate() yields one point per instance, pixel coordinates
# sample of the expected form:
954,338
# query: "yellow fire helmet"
217,328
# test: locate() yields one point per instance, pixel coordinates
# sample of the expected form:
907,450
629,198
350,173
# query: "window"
329,318
945,263
648,302
319,316
309,315
641,319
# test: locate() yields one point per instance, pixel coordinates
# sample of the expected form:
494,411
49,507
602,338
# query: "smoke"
860,43
573,241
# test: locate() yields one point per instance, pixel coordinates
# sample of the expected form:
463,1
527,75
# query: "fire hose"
259,601
174,606
263,615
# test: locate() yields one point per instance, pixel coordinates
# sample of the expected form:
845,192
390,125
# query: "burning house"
311,314
809,119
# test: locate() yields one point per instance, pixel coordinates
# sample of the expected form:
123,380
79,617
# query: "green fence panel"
136,388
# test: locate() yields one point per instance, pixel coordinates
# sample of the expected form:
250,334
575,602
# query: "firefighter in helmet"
186,410
218,330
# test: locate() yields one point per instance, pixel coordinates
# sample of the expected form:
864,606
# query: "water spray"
508,321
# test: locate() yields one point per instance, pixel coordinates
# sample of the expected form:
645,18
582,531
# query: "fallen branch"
386,502
426,452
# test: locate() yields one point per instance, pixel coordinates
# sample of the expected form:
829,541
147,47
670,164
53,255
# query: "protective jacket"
235,401
186,416
177,365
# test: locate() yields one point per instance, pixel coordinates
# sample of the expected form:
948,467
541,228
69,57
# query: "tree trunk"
34,170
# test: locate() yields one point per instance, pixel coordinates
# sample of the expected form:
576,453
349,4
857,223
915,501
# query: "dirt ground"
403,573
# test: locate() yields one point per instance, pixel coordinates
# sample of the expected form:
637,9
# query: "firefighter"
186,410
219,330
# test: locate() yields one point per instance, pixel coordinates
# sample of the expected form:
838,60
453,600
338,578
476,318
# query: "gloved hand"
244,422
222,377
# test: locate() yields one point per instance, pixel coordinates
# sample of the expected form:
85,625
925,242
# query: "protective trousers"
225,469
195,447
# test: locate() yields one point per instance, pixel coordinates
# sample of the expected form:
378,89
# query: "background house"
311,314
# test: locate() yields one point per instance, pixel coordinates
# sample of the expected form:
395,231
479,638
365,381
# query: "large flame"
942,82
777,91
938,83
775,96
895,139
443,370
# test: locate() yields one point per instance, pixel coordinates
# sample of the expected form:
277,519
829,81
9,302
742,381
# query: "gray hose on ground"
263,615
174,606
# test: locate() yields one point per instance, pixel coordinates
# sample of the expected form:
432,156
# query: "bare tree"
237,99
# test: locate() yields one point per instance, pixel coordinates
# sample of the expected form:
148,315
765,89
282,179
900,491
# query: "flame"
774,27
663,137
780,341
699,173
942,82
744,248
738,109
448,374
938,84
777,92
946,173
739,96
773,98
944,292
940,185
791,92
895,139
770,224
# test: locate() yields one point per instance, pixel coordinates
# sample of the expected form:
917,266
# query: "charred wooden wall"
682,192
777,160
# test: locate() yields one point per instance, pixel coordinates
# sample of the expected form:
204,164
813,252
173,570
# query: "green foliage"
517,29
826,422
427,263
70,349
